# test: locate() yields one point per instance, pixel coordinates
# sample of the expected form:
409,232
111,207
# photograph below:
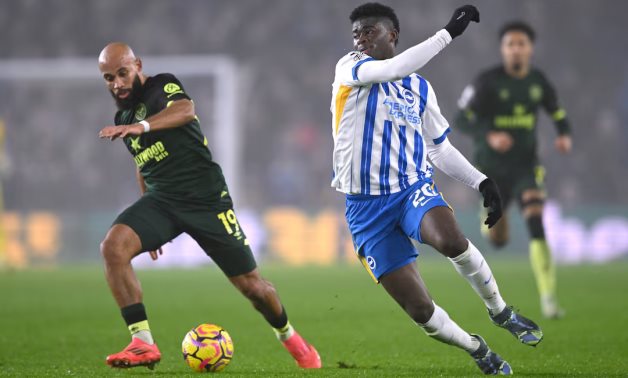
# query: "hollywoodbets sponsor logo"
156,152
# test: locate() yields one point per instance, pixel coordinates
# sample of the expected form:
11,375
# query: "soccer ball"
207,347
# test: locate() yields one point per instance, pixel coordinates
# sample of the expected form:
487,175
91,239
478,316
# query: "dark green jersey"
498,101
175,163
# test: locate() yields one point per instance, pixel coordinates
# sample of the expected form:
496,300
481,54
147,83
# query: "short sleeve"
435,126
167,88
550,99
348,67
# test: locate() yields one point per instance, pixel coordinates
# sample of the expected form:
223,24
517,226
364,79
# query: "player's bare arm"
178,114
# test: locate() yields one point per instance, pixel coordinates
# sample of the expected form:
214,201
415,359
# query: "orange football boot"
137,353
304,354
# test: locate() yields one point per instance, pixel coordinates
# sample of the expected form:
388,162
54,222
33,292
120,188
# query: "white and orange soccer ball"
207,348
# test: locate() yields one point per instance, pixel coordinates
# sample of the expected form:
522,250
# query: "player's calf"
265,299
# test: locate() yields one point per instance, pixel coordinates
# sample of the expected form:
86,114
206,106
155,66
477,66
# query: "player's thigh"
221,236
151,220
386,254
121,244
440,229
423,199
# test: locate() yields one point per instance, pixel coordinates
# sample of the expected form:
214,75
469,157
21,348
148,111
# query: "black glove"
461,18
492,200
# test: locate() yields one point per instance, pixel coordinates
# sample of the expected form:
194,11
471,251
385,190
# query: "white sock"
443,329
145,336
472,266
284,333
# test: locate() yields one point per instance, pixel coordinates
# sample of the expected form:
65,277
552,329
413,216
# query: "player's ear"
138,64
394,36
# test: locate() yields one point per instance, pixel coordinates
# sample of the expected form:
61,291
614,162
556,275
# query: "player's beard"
133,98
517,66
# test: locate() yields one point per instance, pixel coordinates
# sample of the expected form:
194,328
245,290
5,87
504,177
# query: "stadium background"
63,186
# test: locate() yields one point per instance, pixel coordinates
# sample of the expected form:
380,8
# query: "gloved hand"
492,200
461,18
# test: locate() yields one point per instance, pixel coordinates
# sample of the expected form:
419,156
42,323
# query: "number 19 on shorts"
229,220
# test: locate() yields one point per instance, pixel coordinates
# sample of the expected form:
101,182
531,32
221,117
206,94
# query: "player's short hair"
519,26
376,10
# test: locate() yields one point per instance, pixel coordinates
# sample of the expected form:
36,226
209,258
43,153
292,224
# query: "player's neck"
517,72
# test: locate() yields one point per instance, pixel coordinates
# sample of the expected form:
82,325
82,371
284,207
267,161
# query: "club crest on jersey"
409,96
504,94
371,261
140,111
536,92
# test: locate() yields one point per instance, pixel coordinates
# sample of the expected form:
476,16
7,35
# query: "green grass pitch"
63,322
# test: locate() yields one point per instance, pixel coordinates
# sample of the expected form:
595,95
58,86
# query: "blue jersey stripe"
354,71
402,162
442,138
399,95
386,89
418,151
367,140
422,94
384,167
406,83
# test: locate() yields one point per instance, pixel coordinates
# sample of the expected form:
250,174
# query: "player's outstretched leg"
440,230
406,286
540,254
118,248
264,298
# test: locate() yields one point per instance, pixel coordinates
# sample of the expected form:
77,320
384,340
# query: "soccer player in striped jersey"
386,124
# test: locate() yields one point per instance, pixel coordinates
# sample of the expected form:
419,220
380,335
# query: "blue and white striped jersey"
382,130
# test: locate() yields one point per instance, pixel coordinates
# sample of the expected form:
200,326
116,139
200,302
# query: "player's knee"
113,250
498,240
420,311
451,245
499,243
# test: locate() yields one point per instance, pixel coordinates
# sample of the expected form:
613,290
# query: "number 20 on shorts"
423,195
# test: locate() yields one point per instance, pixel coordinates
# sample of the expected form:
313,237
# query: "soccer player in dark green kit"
499,109
183,190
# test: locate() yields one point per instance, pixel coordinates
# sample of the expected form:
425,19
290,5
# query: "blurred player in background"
386,123
499,109
3,169
183,190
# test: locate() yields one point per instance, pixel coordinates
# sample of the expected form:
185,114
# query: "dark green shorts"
512,185
214,227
